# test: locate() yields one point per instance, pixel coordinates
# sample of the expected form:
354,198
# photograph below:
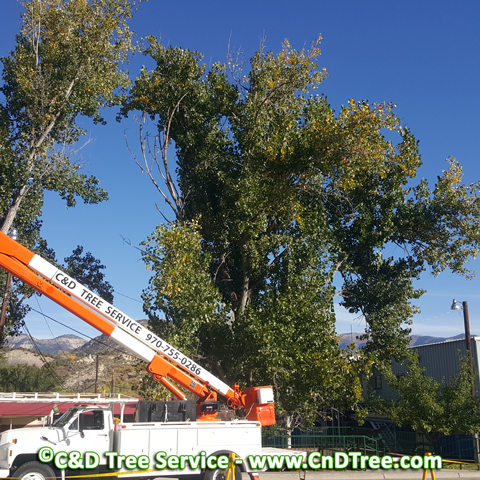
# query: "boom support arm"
165,362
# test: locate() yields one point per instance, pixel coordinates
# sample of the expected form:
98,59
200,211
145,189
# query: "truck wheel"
34,471
221,474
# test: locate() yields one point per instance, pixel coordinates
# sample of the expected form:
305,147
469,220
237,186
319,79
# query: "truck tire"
34,471
221,474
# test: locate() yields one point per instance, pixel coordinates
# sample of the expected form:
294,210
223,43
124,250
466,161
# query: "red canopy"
21,409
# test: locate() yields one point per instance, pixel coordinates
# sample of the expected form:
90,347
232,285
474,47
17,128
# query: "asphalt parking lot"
446,474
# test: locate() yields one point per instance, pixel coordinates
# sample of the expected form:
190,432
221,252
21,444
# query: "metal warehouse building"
440,360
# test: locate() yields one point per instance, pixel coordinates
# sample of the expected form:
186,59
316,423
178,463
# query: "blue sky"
423,56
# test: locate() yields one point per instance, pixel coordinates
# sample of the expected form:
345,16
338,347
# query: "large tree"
84,267
66,63
275,195
27,378
431,407
88,270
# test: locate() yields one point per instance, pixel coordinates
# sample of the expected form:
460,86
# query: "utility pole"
6,297
4,306
96,375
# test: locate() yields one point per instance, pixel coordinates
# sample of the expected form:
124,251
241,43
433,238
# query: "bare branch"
161,213
146,168
150,158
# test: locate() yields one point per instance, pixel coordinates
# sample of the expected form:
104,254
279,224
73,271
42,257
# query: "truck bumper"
4,472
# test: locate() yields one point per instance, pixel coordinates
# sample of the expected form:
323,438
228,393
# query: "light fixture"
456,305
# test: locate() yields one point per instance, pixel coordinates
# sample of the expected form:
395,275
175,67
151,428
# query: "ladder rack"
55,397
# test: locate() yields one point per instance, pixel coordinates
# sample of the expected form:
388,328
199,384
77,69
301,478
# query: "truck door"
88,432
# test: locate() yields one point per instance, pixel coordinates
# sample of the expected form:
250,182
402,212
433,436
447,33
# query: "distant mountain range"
349,338
67,343
102,344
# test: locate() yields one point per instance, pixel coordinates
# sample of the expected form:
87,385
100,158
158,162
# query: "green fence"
326,444
461,448
369,441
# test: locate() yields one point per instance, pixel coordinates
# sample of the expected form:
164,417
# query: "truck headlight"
3,453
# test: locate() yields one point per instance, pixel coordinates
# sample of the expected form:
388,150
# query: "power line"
87,336
45,318
45,362
436,316
126,296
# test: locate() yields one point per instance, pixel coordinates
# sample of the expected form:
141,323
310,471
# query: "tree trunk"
245,291
244,296
12,211
289,430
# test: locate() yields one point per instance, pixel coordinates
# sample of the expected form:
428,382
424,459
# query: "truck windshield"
65,418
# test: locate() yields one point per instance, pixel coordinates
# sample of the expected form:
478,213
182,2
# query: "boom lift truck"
207,434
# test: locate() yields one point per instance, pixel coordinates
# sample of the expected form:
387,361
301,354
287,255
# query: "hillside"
20,355
78,372
102,344
74,360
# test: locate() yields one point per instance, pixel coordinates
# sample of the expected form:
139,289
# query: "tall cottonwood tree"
274,195
66,63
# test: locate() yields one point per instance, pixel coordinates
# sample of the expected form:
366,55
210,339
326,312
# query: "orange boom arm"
165,362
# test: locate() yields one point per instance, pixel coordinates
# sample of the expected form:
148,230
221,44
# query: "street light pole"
464,307
469,342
